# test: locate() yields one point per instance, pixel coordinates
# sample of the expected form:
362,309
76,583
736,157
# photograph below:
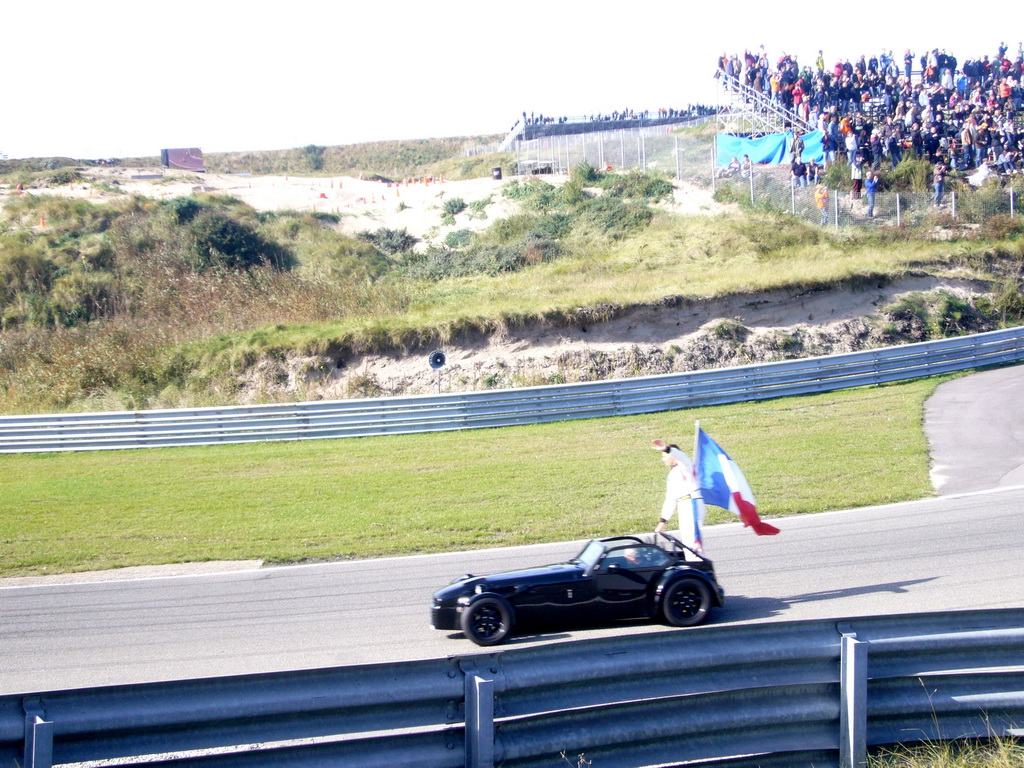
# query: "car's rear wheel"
686,602
487,621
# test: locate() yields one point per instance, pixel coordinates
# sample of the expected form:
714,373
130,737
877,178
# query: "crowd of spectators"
964,116
692,110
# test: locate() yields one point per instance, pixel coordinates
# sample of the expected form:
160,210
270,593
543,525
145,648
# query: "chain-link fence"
651,148
689,156
771,187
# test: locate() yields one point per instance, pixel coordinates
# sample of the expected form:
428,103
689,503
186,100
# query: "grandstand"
529,127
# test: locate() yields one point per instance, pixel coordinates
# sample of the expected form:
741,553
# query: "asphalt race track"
933,555
947,553
975,427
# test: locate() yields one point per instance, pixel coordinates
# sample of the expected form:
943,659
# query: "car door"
624,577
566,594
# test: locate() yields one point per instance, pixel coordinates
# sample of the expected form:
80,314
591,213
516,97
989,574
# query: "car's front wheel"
486,621
686,602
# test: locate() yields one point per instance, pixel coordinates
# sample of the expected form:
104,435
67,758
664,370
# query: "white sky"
110,78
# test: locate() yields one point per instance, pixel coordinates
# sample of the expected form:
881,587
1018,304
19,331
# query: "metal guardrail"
498,408
361,418
794,694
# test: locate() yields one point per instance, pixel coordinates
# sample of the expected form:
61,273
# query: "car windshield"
591,554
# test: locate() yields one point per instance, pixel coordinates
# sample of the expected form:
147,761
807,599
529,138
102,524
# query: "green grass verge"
998,752
357,498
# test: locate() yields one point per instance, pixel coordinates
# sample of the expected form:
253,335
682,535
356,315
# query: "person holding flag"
682,496
712,477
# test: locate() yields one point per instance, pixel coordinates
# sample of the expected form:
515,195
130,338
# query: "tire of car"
487,621
686,602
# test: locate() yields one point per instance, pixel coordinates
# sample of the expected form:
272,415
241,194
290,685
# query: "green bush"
64,176
183,209
635,185
838,176
955,316
614,216
481,259
728,193
478,208
222,242
24,270
515,190
517,228
534,194
81,296
552,226
458,238
454,206
1002,227
1009,301
390,241
773,235
730,330
511,229
913,174
584,174
907,319
572,193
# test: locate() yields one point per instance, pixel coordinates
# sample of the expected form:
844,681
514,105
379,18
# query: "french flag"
723,484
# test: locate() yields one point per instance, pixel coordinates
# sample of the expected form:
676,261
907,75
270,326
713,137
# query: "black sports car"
622,577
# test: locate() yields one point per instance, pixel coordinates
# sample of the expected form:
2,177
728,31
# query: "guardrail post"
479,716
853,708
38,736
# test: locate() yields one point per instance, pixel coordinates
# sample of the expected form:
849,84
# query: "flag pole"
696,447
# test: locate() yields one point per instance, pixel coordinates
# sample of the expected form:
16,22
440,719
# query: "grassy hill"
143,303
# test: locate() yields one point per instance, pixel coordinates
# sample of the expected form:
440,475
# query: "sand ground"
362,204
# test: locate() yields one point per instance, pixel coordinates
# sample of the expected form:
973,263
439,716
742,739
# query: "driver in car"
640,557
632,555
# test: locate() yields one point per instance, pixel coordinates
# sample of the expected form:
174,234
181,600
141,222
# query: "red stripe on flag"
748,514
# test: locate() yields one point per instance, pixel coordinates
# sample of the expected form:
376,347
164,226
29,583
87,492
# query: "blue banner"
772,149
813,153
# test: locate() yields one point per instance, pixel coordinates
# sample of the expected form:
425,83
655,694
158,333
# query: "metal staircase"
515,133
763,114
